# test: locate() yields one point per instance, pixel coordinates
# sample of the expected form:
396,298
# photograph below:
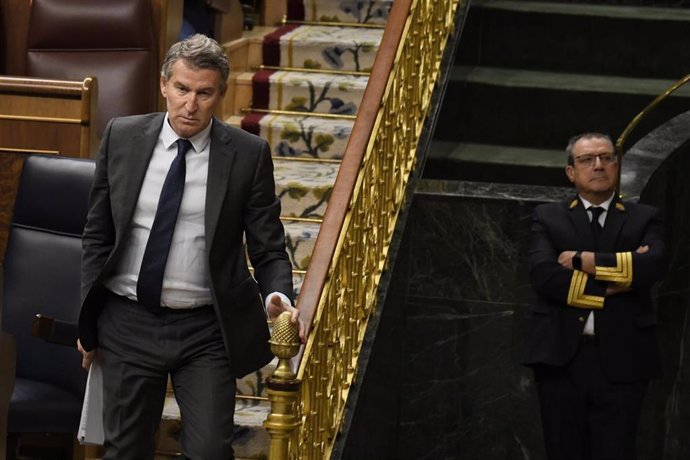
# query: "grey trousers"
138,350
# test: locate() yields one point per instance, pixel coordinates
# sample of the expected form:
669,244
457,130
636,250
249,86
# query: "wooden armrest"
55,331
48,116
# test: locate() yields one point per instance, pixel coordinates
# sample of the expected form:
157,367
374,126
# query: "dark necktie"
596,226
152,269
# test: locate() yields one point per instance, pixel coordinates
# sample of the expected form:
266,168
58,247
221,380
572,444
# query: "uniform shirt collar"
606,204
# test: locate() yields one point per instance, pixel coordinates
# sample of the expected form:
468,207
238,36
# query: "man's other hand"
565,258
87,357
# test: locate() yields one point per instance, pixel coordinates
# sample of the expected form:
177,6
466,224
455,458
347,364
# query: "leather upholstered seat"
42,275
111,40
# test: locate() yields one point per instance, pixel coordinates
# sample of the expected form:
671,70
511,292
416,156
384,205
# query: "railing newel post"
283,388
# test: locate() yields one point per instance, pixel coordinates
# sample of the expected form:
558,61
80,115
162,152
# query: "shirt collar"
604,205
199,141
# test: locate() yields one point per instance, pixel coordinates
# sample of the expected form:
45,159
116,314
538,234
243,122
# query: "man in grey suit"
166,289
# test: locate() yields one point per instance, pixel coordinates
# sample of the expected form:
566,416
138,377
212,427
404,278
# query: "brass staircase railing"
339,291
622,139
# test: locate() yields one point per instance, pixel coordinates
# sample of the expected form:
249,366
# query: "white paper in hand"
91,423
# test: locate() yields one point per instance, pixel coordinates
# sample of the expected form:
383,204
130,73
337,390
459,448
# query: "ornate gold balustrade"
340,289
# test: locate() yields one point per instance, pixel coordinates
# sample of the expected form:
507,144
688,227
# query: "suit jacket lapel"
138,152
221,156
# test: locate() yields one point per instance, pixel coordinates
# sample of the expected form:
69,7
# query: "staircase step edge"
519,78
646,13
496,154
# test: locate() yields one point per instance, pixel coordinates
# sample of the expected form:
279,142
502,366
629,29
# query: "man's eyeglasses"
589,160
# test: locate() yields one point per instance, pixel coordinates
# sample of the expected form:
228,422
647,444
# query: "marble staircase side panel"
452,327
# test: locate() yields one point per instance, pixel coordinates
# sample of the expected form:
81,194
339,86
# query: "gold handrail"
339,292
620,142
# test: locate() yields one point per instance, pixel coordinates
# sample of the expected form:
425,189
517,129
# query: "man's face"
192,96
595,169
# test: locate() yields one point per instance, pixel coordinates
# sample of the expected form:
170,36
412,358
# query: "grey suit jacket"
240,202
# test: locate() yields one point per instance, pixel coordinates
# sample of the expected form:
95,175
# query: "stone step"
298,136
309,92
362,12
322,47
643,3
304,186
581,38
300,237
544,109
496,163
297,280
251,438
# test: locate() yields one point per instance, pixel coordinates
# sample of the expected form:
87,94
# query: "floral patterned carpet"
304,105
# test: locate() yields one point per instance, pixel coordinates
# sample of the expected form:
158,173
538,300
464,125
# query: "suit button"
581,319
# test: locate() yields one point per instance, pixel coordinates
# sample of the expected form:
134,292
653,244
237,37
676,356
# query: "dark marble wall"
443,379
655,171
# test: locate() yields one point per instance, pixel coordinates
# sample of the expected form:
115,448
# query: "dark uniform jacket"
240,202
625,324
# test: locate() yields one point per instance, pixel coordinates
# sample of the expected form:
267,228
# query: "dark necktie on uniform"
150,281
596,226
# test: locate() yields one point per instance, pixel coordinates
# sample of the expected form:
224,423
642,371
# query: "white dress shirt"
186,279
589,325
185,282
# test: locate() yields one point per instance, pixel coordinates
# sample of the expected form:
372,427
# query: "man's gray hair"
573,140
199,52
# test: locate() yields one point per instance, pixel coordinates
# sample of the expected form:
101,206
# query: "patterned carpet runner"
303,102
362,12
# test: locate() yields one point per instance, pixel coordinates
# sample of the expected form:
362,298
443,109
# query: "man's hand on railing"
276,306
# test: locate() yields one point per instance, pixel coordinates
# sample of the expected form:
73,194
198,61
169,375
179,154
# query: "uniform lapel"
615,217
221,156
580,221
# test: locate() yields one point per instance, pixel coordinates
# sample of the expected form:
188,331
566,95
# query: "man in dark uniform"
591,336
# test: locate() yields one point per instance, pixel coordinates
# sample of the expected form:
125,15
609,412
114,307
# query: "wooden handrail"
334,217
340,291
